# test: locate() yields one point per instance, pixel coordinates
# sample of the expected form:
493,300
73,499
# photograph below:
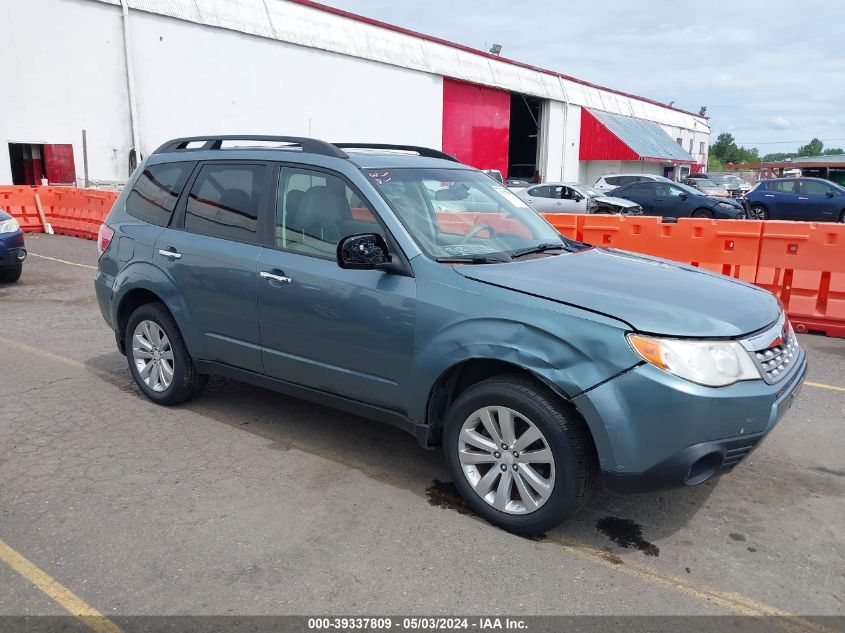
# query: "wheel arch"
462,375
142,284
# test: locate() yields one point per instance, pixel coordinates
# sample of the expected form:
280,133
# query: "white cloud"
778,123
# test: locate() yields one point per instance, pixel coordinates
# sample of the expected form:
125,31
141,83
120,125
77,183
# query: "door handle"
273,277
169,254
802,198
769,195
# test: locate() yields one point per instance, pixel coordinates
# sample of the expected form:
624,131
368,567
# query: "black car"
676,200
813,199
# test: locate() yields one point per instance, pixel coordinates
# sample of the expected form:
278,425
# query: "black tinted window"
784,186
154,195
224,201
613,180
641,187
814,188
541,192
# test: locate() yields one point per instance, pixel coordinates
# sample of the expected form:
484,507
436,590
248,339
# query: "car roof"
395,160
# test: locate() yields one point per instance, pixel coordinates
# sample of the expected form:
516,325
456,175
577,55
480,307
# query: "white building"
133,73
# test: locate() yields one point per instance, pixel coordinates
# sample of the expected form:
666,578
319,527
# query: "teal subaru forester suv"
395,283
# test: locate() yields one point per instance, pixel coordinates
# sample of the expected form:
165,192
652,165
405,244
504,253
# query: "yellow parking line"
821,385
75,605
730,601
62,261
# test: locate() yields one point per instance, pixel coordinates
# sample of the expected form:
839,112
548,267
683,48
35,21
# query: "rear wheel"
158,358
518,456
842,217
702,213
758,212
11,275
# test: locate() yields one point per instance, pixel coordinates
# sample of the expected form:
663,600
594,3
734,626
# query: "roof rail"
422,151
310,145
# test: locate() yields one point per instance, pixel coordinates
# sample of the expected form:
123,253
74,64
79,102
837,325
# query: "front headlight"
710,363
9,226
727,205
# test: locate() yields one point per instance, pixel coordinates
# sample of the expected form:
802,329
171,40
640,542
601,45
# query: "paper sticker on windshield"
379,177
510,196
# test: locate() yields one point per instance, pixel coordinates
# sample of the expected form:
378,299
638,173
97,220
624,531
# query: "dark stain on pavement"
736,536
627,534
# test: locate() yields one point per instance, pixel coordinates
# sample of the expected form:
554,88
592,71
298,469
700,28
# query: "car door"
640,192
346,332
570,200
818,201
782,196
211,254
540,199
670,201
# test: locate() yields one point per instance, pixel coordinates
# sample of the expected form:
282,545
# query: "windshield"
687,189
462,213
707,184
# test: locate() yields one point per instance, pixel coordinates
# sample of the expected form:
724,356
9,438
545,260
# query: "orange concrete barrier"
804,264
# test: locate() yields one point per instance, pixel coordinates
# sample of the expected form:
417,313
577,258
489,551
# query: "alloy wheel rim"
506,460
153,355
756,213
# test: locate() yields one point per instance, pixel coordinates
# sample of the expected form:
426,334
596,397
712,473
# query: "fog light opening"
704,469
21,255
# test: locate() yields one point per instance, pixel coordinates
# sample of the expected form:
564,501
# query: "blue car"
677,200
813,199
394,282
12,248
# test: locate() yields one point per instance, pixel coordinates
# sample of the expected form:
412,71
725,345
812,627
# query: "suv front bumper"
655,431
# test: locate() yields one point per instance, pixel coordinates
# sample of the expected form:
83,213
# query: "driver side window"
676,192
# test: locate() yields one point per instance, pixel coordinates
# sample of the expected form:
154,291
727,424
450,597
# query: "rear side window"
154,195
541,192
641,187
784,186
224,201
613,180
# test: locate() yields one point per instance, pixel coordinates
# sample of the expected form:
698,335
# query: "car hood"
619,202
649,294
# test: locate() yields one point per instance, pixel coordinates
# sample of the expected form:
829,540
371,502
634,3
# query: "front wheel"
757,212
11,275
842,217
158,358
702,213
519,457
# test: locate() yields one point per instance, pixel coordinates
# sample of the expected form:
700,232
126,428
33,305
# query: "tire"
185,381
11,275
842,217
757,212
571,472
702,213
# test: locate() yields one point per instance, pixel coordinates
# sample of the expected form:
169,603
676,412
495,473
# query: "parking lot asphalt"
248,502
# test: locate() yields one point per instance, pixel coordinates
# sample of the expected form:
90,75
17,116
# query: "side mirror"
683,196
363,251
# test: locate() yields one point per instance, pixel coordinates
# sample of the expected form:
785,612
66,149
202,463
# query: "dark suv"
396,283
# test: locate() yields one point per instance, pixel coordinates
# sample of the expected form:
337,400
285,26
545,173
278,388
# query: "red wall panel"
476,123
58,162
599,143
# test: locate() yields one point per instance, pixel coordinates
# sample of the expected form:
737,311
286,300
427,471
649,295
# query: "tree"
724,147
813,148
832,151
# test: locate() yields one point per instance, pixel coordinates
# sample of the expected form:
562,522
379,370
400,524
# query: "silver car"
570,197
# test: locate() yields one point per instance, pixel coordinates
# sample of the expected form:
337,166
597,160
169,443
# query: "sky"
771,72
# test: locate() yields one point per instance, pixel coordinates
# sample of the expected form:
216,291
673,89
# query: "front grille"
736,451
776,361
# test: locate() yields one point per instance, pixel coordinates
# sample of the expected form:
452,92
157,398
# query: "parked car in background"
12,248
707,187
813,199
677,200
495,174
570,197
521,174
735,185
608,183
543,366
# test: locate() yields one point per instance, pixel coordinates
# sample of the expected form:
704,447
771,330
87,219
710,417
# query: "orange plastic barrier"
566,224
804,264
19,202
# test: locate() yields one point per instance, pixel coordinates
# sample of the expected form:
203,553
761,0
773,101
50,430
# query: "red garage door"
476,124
58,163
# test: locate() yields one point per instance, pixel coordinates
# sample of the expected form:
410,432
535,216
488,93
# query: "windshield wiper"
539,248
476,259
